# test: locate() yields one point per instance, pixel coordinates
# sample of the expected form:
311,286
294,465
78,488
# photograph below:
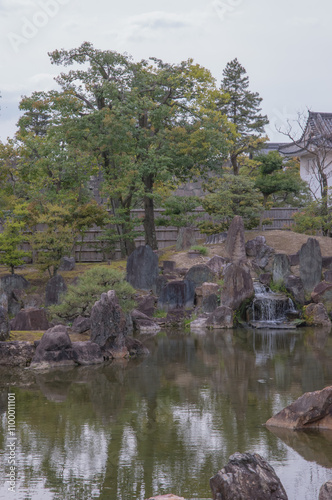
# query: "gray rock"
325,492
30,319
221,318
12,282
327,263
294,259
217,264
143,324
67,264
135,347
169,266
316,315
146,304
215,239
265,278
281,267
264,256
55,289
238,286
253,246
177,295
16,353
328,276
186,238
323,293
161,281
81,324
54,349
294,286
142,268
198,324
235,242
108,324
247,477
199,274
210,303
87,353
310,264
4,324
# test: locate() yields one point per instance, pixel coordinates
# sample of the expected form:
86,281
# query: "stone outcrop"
177,295
54,349
186,238
265,278
327,263
294,258
316,315
55,288
238,286
281,268
135,347
81,324
87,353
200,274
328,276
142,268
217,264
11,289
146,304
16,353
67,264
221,318
169,266
325,492
294,286
4,324
235,242
30,319
108,325
247,477
261,252
323,293
310,264
311,410
215,239
143,323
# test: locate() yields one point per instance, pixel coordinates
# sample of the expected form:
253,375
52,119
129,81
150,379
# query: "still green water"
168,422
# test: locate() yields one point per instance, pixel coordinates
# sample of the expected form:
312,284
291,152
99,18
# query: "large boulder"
281,267
54,349
235,242
294,286
325,492
186,238
238,286
207,297
16,353
81,324
143,323
253,246
67,264
178,294
146,304
87,353
310,264
199,274
11,282
323,293
247,477
108,324
217,264
316,315
221,318
11,289
30,319
142,268
55,288
4,324
215,239
312,409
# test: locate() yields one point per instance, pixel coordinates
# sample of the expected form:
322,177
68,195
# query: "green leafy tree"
178,211
13,237
242,108
228,196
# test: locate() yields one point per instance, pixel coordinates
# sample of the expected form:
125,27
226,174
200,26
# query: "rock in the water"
186,238
54,349
16,353
67,264
143,323
238,286
55,288
281,268
323,293
325,492
247,477
199,274
310,264
108,324
217,264
177,295
81,324
294,286
235,242
146,304
4,324
135,347
87,353
316,315
198,324
30,319
312,409
221,318
142,268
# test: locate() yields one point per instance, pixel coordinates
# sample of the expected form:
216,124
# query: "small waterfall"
270,309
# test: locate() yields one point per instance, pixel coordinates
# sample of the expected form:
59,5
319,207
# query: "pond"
167,422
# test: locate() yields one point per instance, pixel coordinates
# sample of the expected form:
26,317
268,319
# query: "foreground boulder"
312,410
217,264
238,286
67,264
310,259
294,286
87,353
179,294
323,293
108,325
30,319
142,268
143,323
316,315
200,274
325,492
221,318
16,353
4,324
54,349
247,477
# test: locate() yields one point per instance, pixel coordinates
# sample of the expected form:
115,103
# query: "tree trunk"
148,223
235,164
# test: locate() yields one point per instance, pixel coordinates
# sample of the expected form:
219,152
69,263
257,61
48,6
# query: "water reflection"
169,421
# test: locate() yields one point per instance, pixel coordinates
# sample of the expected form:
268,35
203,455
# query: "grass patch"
29,336
199,248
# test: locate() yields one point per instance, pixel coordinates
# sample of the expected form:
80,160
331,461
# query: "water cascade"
270,309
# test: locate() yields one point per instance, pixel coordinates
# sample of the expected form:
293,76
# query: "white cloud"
303,21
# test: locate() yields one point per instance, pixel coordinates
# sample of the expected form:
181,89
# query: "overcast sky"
284,45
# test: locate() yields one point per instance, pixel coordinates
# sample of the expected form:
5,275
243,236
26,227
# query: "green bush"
80,298
202,250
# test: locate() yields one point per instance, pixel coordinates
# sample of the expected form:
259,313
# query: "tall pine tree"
242,108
